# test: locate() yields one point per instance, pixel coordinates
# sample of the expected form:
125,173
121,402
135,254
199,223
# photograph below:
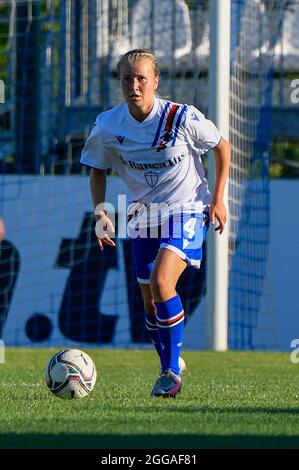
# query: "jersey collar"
148,118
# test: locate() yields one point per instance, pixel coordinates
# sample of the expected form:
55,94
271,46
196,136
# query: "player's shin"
170,321
152,328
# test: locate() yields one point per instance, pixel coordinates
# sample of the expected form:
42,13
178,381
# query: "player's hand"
218,212
104,231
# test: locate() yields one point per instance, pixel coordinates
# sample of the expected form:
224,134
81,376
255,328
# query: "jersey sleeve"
95,154
201,132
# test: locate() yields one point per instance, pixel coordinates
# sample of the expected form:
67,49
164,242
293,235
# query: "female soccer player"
156,147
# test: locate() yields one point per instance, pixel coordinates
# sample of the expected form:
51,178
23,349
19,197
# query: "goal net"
58,69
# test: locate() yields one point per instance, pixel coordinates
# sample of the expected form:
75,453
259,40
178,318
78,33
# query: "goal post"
218,111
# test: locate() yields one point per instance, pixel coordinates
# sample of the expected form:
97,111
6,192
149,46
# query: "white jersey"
159,158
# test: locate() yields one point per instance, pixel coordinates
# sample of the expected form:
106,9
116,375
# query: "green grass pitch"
228,400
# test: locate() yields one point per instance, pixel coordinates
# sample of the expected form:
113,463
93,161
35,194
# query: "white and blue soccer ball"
70,373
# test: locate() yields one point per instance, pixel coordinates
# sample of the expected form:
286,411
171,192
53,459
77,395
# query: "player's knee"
159,283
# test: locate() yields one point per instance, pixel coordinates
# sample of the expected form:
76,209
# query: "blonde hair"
138,54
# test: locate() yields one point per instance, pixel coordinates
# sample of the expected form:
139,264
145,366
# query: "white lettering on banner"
54,240
295,93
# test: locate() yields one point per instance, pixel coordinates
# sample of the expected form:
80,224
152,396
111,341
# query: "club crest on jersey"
120,139
165,140
151,178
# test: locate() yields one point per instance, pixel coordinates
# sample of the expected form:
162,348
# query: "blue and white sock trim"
150,323
172,321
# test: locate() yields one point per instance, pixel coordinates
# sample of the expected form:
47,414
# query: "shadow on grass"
224,410
109,441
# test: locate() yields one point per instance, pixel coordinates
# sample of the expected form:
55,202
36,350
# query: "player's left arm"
222,162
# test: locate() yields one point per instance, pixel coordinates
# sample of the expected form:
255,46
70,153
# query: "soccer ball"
70,373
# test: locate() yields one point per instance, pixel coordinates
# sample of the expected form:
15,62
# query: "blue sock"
152,328
170,321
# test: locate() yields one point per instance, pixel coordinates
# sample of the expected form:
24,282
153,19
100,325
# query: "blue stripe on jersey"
182,112
160,123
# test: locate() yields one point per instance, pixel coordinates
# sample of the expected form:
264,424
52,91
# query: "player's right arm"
96,155
104,226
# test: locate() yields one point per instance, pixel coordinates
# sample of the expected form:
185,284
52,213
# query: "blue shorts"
183,233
